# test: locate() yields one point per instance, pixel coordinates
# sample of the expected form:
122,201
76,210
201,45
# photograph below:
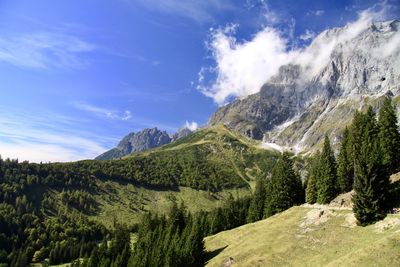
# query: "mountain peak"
145,139
346,68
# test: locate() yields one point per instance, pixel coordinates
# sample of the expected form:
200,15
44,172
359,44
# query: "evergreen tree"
326,182
345,164
284,188
256,209
389,137
371,180
313,174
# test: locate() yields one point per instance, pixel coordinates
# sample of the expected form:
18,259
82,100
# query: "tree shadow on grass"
211,254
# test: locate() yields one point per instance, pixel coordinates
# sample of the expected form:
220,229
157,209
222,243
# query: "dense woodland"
35,227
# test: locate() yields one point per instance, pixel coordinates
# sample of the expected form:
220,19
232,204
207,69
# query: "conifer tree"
345,164
256,209
371,180
284,188
389,137
313,174
326,182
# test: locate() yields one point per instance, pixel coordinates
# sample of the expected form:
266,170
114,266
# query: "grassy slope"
225,148
124,201
280,241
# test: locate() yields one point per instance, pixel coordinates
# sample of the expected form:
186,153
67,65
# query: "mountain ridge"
145,139
360,69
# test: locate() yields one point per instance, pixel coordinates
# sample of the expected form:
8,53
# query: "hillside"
303,236
71,207
201,169
210,159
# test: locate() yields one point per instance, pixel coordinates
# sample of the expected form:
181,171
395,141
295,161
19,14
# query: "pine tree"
389,137
345,164
313,174
326,182
371,180
284,188
256,209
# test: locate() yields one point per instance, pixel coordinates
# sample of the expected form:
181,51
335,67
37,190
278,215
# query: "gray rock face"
294,107
183,132
141,141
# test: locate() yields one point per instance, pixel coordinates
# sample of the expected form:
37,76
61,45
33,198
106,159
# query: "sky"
77,76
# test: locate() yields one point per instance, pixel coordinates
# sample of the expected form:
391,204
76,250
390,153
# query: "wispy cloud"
47,139
108,113
307,35
44,50
198,10
318,12
193,126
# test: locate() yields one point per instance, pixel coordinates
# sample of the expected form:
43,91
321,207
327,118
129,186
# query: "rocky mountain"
141,141
343,70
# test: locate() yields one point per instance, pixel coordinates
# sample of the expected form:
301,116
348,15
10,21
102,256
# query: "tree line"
172,239
369,153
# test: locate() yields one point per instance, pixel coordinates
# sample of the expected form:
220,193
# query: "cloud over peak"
240,68
193,126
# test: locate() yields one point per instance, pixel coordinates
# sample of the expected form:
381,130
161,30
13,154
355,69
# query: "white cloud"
197,10
44,50
193,126
242,67
307,35
111,114
318,12
271,16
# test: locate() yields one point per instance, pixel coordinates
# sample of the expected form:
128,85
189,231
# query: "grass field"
126,202
304,237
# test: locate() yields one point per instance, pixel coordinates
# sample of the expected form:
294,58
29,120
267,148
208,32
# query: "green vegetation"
368,156
345,163
389,137
88,212
175,240
256,209
284,189
371,179
326,182
313,175
290,238
59,211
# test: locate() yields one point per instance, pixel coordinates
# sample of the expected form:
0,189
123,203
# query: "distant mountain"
350,68
141,141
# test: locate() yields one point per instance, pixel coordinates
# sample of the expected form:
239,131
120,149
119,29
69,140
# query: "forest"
33,227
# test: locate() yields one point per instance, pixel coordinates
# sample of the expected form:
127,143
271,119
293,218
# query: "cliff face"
301,104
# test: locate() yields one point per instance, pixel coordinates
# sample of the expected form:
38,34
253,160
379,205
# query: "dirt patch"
395,177
350,221
342,201
228,262
387,224
316,217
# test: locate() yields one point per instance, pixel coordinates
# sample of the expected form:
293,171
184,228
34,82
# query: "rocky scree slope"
305,101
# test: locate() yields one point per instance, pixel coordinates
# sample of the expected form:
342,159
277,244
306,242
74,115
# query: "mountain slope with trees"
51,210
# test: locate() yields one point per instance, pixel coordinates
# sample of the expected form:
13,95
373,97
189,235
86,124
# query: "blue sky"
76,76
